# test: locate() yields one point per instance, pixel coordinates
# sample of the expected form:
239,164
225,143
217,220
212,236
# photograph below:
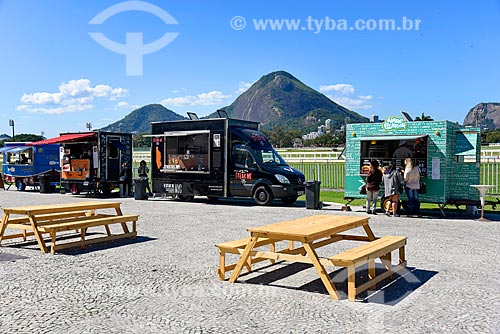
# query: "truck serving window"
187,153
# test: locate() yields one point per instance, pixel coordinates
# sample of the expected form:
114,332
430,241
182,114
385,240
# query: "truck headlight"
281,178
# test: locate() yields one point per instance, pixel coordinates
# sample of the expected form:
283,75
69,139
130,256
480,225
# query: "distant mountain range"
139,120
278,98
484,115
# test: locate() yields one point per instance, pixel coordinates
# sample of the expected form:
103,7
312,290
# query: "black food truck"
220,157
92,161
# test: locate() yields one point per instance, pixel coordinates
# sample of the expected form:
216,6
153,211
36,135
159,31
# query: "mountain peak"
279,98
485,115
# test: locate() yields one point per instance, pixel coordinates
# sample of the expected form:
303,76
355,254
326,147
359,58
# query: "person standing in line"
373,180
125,180
393,183
412,185
143,172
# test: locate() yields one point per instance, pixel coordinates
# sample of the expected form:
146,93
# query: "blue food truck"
25,165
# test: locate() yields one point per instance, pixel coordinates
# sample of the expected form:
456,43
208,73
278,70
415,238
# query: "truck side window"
239,157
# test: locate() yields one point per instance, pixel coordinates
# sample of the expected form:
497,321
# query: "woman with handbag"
373,180
393,184
412,186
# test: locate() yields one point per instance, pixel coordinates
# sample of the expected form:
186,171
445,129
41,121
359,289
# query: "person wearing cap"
402,152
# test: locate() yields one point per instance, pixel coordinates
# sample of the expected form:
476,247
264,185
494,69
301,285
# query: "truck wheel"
213,199
263,196
186,198
289,200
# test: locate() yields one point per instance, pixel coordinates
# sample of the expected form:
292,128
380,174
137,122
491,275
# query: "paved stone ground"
165,281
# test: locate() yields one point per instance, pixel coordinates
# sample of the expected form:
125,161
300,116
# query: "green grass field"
338,197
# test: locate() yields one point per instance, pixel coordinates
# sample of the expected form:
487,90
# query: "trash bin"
140,188
44,181
312,195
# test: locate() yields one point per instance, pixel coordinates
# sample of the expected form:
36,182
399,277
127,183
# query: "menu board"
422,165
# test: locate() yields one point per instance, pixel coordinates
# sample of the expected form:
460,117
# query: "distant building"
328,125
374,119
297,143
321,130
311,135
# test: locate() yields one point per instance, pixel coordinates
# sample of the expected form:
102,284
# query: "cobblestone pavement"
165,281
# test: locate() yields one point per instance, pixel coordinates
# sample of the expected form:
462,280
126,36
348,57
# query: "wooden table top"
309,228
55,208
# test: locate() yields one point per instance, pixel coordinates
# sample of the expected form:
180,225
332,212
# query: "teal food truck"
447,154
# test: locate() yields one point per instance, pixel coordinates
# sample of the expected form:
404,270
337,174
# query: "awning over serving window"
179,133
391,137
14,149
466,143
5,149
68,137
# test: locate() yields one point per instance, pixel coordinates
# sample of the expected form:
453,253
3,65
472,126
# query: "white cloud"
126,105
343,95
204,99
244,86
55,110
343,89
73,96
352,104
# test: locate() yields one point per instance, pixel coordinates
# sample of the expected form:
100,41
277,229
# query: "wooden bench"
236,247
83,223
24,224
51,219
367,253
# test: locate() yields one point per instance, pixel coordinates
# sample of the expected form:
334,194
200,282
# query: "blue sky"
55,78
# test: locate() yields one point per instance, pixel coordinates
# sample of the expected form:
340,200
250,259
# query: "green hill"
140,119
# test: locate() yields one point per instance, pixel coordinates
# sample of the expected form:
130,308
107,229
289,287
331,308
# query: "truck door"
242,171
113,158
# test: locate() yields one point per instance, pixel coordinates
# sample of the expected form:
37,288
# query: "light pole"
11,123
88,126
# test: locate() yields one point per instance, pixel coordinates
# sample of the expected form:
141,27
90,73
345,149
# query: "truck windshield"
267,155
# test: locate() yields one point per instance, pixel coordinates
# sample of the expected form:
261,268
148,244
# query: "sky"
66,63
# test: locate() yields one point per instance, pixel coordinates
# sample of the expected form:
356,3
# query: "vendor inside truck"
387,150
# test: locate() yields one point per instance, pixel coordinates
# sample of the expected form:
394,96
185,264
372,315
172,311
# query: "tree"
23,137
424,118
491,136
138,140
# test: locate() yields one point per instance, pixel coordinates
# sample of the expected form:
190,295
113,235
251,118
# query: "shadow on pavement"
387,292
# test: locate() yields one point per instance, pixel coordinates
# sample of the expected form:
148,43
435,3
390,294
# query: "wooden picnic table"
317,231
53,218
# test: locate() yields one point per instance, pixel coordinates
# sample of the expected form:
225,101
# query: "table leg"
243,259
3,225
38,235
321,271
53,242
369,232
124,225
